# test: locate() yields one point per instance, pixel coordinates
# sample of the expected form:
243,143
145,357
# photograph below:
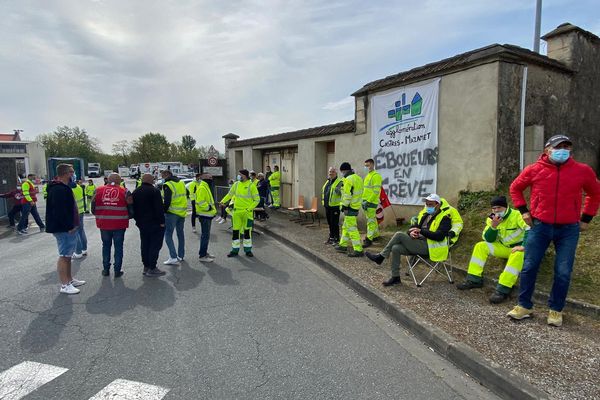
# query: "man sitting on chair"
427,238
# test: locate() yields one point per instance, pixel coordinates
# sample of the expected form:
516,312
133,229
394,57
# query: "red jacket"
557,191
110,208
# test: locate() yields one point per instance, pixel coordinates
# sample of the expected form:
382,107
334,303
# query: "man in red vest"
109,205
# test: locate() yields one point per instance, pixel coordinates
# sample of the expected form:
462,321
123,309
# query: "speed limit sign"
212,161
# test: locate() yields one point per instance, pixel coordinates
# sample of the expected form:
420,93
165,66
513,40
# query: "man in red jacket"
557,184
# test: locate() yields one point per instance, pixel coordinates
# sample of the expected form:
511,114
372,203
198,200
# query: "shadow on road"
44,331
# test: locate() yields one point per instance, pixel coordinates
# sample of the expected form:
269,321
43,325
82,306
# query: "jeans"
174,222
194,215
333,220
66,243
24,221
16,209
565,238
151,240
81,238
108,238
205,223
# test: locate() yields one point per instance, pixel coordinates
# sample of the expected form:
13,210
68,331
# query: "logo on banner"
401,108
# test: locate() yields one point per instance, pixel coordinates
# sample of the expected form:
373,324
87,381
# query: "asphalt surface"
273,326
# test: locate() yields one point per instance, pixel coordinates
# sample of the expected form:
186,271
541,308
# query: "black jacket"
148,206
442,230
62,214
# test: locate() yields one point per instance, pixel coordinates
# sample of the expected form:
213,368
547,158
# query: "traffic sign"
212,161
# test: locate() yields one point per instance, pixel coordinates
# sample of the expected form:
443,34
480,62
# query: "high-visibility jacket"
110,208
244,196
89,190
372,188
192,188
45,191
123,185
255,182
178,204
511,232
457,221
29,191
138,183
78,194
335,192
352,192
205,203
438,251
275,179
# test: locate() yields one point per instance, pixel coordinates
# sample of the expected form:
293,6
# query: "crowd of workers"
520,235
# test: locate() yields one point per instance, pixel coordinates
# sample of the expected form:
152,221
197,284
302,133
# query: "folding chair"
299,207
313,212
430,266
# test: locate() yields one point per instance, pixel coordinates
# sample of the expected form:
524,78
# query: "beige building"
484,138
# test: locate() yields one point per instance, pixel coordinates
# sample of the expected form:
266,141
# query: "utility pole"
538,23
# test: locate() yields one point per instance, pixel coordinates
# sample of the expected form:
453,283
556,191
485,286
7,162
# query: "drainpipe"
522,133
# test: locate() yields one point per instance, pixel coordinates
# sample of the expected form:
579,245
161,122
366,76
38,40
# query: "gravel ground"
564,361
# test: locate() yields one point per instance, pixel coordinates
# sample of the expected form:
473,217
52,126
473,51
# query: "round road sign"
212,161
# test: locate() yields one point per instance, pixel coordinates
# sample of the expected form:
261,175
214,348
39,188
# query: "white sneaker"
222,221
77,282
179,258
84,252
210,255
171,261
194,230
68,289
206,258
77,256
218,219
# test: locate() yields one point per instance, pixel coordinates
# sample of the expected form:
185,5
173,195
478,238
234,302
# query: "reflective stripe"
112,217
511,270
490,247
111,208
477,261
512,236
438,245
235,244
457,226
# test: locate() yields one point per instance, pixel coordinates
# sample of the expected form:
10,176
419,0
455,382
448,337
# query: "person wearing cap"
331,197
427,237
504,236
370,201
351,202
206,211
244,196
557,184
175,207
275,182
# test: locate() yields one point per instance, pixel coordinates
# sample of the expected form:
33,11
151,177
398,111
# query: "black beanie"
345,166
499,201
244,172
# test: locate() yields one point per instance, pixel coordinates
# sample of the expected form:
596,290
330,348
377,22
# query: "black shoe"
466,285
232,254
394,280
367,243
356,254
145,271
498,297
105,272
375,257
119,274
341,249
155,272
329,241
249,254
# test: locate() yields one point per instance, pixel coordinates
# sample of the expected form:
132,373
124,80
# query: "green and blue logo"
403,111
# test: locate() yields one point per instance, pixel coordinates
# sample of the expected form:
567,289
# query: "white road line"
22,379
122,389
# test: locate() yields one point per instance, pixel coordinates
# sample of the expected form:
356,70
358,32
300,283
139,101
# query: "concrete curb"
496,378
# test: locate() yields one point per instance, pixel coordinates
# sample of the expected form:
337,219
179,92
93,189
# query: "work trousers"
242,224
350,233
401,244
151,241
511,272
333,220
275,196
372,225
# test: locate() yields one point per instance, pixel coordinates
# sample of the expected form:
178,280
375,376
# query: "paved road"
275,326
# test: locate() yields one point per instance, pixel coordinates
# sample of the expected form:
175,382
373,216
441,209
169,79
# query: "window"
13,148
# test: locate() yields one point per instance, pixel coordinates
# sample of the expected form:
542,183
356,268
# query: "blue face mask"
239,177
430,210
560,155
72,182
500,214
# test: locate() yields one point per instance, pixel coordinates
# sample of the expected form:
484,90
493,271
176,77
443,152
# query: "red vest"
111,208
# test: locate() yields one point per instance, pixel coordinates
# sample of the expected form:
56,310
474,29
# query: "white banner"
404,134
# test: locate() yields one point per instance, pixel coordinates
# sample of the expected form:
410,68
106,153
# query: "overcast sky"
122,68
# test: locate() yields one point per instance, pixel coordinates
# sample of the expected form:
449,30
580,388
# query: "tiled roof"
461,61
326,130
9,137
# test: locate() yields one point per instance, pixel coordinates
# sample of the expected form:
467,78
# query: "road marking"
22,379
122,389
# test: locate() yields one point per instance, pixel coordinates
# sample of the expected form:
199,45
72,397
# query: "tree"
70,142
188,143
151,147
122,149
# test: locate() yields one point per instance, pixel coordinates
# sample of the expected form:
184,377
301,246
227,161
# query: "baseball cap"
557,139
433,197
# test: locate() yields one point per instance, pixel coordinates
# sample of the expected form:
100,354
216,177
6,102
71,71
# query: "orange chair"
313,212
299,207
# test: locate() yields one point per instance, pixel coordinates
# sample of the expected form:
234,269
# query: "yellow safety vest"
178,204
335,193
457,222
205,203
89,190
511,230
438,251
352,192
372,188
78,194
244,196
26,187
275,179
45,190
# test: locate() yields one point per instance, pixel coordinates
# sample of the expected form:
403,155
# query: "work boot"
119,274
146,269
519,312
356,254
105,272
367,243
555,318
394,280
375,257
498,297
155,272
467,285
249,254
328,241
341,249
232,254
